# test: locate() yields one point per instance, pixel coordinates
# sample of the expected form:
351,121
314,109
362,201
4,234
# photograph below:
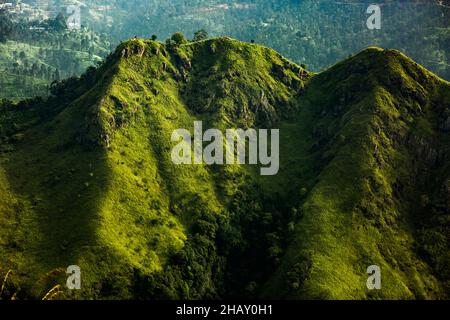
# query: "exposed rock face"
424,150
134,49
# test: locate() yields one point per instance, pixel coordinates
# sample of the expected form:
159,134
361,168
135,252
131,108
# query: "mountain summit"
86,179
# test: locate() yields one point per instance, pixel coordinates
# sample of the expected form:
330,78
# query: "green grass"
91,182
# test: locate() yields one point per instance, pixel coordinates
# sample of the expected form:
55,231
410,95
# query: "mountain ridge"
97,156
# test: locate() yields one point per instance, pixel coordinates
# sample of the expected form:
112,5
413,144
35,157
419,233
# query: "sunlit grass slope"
87,179
376,124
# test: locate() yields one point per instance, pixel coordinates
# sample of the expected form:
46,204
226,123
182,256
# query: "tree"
59,23
154,37
5,26
34,69
179,38
56,75
170,44
200,35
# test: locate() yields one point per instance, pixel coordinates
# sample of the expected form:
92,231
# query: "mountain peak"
237,82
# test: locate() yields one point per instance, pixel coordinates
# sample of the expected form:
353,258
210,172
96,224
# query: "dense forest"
35,53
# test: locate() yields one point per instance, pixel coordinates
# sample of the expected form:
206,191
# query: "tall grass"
5,279
53,292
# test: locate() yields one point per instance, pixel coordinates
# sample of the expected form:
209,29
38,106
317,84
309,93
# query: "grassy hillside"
378,133
86,178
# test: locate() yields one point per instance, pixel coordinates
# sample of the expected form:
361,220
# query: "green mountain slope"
86,178
318,33
381,133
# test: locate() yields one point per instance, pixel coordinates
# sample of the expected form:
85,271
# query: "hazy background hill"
316,33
